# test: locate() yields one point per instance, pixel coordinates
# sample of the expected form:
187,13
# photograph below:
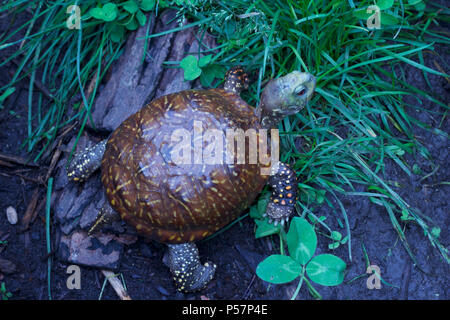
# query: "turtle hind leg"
105,216
188,273
86,162
236,80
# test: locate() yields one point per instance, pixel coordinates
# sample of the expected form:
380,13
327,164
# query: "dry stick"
29,212
55,158
17,160
6,164
38,181
116,284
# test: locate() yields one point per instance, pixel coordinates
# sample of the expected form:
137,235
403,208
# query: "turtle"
181,202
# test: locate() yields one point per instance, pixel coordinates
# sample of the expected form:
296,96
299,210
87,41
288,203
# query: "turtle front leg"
86,162
284,194
236,80
188,273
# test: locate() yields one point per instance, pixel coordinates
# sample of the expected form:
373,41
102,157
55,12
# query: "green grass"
355,122
357,118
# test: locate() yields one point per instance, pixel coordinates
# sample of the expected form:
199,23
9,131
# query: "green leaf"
97,13
405,216
420,6
147,5
190,66
320,196
326,269
388,19
385,4
130,6
278,268
254,213
262,205
117,33
301,240
209,73
333,245
336,235
361,14
141,18
109,11
416,169
436,232
203,61
265,228
132,24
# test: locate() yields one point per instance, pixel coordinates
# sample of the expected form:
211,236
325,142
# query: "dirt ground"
237,252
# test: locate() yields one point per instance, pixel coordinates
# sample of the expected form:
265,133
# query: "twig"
22,177
17,160
116,284
30,213
55,158
6,164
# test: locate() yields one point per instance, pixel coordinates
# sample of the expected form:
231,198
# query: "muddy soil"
237,252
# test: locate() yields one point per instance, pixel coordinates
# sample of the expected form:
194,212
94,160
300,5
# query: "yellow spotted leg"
284,194
188,273
86,162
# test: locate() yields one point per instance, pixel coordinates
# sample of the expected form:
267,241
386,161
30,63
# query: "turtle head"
285,96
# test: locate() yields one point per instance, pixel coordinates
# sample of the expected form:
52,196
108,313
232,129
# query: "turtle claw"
278,214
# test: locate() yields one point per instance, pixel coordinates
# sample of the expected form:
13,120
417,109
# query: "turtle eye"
301,92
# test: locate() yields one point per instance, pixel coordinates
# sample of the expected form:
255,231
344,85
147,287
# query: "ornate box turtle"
178,203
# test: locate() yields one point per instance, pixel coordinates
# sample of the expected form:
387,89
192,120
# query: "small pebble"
11,214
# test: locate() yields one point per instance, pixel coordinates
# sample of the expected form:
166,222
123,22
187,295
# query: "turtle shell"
170,201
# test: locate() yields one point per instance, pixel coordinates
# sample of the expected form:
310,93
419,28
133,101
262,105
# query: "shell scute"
179,202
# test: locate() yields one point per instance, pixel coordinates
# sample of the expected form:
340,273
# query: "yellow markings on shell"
121,186
183,205
150,217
